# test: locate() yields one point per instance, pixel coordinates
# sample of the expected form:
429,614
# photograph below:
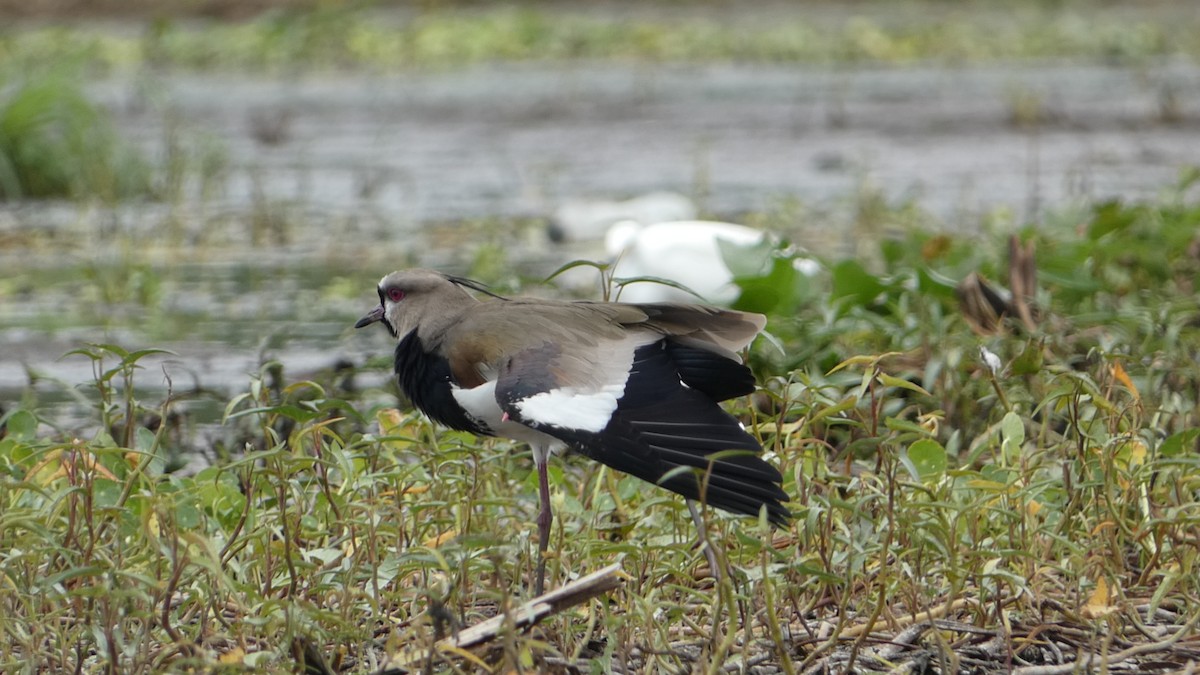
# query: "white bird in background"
686,252
584,219
657,235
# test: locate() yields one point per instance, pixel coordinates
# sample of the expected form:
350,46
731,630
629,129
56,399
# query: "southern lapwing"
631,386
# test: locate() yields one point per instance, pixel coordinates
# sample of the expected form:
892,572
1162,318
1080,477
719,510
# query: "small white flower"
990,360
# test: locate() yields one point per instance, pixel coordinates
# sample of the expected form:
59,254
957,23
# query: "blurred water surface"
318,185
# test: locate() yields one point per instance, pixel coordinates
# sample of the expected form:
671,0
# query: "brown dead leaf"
1099,605
1119,374
434,542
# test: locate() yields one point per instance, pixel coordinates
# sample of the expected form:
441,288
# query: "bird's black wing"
646,407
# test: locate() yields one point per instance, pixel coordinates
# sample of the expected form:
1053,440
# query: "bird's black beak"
373,316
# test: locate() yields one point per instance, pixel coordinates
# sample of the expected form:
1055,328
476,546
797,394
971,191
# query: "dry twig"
527,615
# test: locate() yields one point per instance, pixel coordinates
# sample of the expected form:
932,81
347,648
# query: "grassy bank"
335,37
970,491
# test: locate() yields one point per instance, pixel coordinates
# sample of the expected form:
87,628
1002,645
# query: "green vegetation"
334,36
1041,511
54,142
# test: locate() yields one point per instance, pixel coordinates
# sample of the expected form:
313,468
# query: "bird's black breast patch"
425,378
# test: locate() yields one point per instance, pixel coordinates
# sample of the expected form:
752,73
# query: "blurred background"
228,179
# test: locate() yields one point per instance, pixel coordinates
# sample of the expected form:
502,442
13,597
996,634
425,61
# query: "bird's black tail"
677,436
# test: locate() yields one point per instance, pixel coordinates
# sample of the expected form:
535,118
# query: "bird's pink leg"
545,517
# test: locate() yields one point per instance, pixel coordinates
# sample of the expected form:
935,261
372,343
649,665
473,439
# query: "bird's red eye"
395,294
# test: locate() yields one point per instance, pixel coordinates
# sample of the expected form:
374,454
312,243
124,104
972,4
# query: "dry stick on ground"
1087,660
903,621
525,616
912,622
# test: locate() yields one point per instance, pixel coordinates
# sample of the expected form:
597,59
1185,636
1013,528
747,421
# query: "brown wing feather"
470,358
481,342
723,331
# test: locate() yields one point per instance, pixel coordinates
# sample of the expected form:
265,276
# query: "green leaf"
1029,362
773,292
72,573
997,474
233,403
258,659
771,339
747,260
894,251
937,285
219,493
853,283
929,458
187,513
1180,443
144,440
1012,428
893,381
572,265
287,410
134,357
22,426
146,443
325,555
106,492
622,282
897,424
1111,216
838,408
1012,431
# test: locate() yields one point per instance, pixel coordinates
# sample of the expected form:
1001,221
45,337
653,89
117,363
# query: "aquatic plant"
55,142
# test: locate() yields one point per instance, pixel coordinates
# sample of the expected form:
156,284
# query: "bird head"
411,299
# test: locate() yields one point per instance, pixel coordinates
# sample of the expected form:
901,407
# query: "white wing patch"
480,403
569,408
